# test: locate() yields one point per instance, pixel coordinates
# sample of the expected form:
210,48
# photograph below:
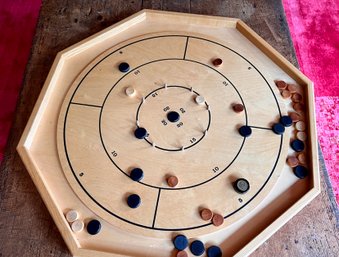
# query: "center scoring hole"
173,116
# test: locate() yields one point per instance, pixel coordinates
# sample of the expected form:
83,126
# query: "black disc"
140,133
297,145
124,67
93,227
180,242
300,171
197,248
241,185
245,131
286,121
278,128
214,251
173,116
133,201
136,174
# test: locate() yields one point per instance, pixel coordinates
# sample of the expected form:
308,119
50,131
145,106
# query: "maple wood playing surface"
203,148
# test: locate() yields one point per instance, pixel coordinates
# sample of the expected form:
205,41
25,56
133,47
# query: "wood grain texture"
26,228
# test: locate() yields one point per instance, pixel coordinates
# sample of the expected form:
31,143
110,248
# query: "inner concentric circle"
173,119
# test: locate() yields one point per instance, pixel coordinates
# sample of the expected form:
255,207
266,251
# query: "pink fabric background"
314,26
17,22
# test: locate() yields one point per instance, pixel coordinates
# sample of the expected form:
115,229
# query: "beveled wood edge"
301,79
39,107
197,19
308,85
278,223
104,34
61,223
214,21
273,54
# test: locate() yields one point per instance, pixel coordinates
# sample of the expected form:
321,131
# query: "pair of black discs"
277,128
141,133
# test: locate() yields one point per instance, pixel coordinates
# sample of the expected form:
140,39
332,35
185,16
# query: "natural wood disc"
295,116
292,88
206,214
182,254
286,94
292,161
217,220
172,181
238,107
296,97
299,107
302,158
281,84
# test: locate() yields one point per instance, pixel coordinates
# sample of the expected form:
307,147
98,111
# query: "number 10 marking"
215,169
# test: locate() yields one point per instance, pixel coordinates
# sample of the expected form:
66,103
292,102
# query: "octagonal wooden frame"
110,37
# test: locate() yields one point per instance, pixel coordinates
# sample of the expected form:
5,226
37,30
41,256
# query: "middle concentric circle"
173,119
204,127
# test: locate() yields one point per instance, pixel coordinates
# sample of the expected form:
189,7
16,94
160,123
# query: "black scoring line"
185,48
156,208
88,105
256,127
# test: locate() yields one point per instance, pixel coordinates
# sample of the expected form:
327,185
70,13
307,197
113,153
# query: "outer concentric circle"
96,139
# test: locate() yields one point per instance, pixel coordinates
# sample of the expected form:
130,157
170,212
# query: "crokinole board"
203,148
162,82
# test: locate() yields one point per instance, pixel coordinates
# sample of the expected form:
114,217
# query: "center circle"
173,116
173,119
